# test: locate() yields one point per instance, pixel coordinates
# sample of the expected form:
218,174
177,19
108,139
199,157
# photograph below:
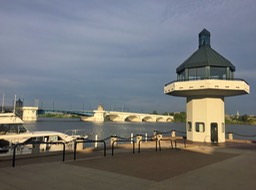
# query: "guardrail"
171,141
36,143
139,142
157,139
123,140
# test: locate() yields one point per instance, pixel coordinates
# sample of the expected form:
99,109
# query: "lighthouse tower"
205,78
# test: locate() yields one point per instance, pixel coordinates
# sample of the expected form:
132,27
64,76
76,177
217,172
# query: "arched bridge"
136,117
103,115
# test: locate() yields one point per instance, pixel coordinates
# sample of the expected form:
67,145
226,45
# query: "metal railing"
171,141
139,144
36,143
155,138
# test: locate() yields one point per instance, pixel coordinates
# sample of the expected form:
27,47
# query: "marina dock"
198,166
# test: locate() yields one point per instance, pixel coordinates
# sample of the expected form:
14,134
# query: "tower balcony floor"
208,87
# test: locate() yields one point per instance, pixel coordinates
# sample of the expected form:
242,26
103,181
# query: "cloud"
116,52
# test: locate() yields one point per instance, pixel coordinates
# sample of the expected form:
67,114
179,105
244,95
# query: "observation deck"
207,87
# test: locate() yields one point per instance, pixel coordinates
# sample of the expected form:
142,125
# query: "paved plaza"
199,166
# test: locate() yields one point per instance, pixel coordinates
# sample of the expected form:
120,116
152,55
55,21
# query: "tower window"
218,72
200,127
196,73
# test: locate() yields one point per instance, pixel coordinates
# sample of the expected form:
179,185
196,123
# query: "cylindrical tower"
205,78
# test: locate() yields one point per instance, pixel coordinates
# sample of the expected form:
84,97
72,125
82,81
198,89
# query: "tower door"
214,132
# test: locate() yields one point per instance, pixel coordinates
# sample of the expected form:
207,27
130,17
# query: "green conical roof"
205,56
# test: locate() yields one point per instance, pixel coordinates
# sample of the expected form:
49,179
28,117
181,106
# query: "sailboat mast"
14,104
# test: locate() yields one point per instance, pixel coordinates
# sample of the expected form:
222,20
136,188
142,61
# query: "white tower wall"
202,112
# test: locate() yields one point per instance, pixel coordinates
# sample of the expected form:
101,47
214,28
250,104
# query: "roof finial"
204,38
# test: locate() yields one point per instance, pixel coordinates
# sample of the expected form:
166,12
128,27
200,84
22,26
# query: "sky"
77,54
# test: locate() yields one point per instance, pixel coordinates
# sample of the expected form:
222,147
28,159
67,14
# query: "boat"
13,133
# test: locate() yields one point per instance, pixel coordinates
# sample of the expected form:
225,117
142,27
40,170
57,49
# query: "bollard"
230,136
112,139
131,138
173,133
146,137
96,143
138,139
159,136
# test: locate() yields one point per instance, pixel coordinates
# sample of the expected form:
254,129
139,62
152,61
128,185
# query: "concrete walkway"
196,167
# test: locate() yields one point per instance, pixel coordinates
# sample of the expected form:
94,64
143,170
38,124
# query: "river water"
124,129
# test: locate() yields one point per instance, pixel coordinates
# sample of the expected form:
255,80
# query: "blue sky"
119,53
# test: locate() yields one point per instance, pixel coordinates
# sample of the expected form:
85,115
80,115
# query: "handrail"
139,142
33,143
171,141
123,140
88,141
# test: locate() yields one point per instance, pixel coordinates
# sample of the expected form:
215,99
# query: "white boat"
12,132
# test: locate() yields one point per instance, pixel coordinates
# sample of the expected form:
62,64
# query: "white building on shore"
29,113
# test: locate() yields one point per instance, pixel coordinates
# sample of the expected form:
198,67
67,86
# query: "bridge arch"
133,118
148,119
160,119
169,119
115,117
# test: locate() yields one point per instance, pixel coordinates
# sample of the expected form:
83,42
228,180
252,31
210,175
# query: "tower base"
205,119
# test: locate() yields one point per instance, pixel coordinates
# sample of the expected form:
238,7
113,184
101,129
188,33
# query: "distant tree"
171,113
154,112
180,117
244,118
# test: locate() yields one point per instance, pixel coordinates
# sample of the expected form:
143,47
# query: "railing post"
133,146
14,156
112,145
104,148
64,151
96,141
159,144
75,150
113,139
156,143
171,143
139,146
138,138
